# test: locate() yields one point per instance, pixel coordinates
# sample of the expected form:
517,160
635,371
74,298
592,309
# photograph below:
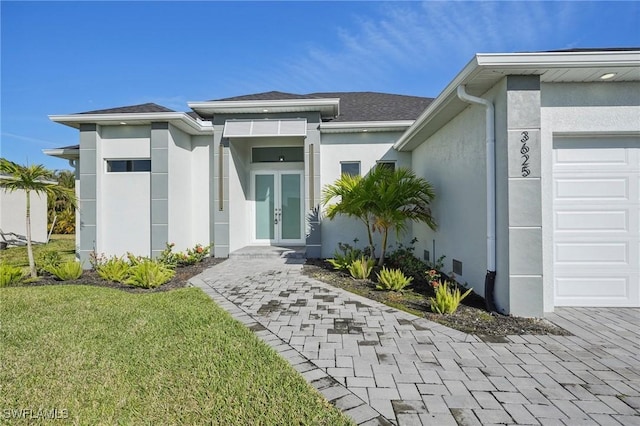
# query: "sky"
69,57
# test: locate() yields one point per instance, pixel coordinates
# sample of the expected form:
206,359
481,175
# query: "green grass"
63,244
110,357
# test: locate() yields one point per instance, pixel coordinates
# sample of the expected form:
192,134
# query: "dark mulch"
90,277
471,317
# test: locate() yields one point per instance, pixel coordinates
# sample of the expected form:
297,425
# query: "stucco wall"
124,207
201,200
13,210
180,202
605,108
367,148
453,160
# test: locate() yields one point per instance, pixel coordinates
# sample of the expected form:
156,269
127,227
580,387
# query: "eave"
179,119
328,107
365,126
485,70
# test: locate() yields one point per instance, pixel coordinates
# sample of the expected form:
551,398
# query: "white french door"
278,201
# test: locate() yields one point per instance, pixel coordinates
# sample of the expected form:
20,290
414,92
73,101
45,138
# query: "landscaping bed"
90,277
471,316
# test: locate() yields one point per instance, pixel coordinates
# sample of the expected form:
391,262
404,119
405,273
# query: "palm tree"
395,197
59,208
353,202
35,178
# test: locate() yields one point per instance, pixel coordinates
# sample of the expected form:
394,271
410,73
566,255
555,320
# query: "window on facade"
391,165
350,168
274,154
118,166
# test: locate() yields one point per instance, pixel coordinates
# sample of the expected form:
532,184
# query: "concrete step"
261,252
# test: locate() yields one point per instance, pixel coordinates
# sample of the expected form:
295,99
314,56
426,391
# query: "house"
534,158
13,212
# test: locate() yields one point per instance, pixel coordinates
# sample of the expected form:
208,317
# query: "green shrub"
403,258
149,273
447,300
10,275
392,279
344,257
114,269
360,269
47,260
190,257
66,271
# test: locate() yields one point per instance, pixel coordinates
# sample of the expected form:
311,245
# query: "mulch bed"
90,277
471,316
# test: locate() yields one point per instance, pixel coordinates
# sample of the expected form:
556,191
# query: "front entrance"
278,202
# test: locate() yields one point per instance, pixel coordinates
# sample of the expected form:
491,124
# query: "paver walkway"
383,366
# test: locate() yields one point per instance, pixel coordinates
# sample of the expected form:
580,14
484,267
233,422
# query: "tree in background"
37,179
61,208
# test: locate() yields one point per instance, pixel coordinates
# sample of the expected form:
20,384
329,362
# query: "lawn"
63,244
103,356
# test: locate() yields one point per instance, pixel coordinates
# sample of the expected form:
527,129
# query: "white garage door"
596,184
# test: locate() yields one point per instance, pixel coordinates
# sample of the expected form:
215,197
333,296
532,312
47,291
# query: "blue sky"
67,57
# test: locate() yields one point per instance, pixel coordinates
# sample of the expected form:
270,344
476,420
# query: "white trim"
179,119
329,107
365,126
67,154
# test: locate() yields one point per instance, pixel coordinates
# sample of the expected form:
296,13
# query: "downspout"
490,278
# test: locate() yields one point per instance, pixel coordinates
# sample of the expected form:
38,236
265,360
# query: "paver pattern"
384,366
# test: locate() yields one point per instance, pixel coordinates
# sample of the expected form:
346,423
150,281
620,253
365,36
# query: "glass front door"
278,214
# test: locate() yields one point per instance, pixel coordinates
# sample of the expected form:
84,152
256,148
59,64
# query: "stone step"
261,252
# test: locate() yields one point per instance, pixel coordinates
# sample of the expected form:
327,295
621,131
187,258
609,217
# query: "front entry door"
278,215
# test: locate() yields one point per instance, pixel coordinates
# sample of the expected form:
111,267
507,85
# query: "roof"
354,106
141,108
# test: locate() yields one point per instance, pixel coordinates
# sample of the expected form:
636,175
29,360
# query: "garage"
596,221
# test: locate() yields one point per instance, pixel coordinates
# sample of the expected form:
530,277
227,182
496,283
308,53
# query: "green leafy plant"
438,264
149,273
361,268
66,271
190,257
447,299
10,275
392,279
114,269
47,260
344,257
403,258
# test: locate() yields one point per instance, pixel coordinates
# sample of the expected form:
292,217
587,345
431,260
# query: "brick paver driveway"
382,366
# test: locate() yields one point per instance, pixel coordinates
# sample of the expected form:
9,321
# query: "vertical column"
159,187
312,191
87,205
220,204
525,215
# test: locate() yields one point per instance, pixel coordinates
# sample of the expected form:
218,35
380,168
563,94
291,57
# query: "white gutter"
491,172
180,119
365,126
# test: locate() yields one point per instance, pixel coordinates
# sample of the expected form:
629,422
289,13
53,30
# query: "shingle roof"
357,106
141,108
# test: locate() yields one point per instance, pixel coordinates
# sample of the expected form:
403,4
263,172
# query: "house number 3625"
524,151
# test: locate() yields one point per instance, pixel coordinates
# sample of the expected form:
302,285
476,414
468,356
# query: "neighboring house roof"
141,108
354,106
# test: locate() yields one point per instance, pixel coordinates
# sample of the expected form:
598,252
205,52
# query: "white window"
119,166
350,168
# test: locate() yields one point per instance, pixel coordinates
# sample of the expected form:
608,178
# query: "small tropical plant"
361,268
403,258
149,273
47,260
447,299
114,269
10,275
190,257
344,257
392,279
66,271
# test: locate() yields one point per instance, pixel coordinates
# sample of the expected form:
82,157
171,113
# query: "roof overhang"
69,153
487,69
328,107
179,119
365,126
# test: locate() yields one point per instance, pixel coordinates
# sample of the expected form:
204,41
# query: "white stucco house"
535,159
